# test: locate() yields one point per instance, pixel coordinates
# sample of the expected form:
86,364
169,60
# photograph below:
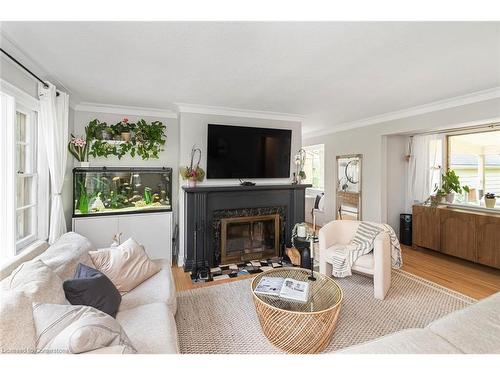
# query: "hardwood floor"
473,280
465,277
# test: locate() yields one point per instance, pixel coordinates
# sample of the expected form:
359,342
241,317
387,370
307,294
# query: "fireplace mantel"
203,201
210,188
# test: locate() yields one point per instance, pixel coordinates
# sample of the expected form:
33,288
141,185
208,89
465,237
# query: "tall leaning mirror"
348,194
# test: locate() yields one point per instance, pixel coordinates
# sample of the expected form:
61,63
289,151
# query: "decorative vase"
191,182
126,136
490,202
82,164
450,197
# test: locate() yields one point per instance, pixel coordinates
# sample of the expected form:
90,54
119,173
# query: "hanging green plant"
148,139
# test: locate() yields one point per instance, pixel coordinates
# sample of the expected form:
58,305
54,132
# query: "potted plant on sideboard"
490,200
450,184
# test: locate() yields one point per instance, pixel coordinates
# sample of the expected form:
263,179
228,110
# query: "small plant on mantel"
193,173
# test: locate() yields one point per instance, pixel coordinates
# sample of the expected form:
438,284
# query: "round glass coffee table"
296,327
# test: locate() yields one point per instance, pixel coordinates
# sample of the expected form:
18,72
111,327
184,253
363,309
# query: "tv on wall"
247,152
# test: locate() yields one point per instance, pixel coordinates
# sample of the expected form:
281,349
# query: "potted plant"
78,147
450,185
300,161
96,130
124,128
490,200
194,173
149,139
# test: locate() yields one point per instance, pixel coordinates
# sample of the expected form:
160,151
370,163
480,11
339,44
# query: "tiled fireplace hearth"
232,224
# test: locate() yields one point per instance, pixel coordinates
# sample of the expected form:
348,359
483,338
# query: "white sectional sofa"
146,313
473,330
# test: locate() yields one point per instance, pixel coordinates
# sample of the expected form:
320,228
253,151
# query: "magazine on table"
284,288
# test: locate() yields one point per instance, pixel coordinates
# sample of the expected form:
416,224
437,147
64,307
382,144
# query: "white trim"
21,96
236,112
439,105
124,110
7,174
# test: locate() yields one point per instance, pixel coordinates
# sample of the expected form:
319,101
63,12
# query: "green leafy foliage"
450,182
147,142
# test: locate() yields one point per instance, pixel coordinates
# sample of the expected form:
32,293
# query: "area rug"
221,319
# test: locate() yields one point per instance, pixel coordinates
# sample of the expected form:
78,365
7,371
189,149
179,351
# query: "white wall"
193,130
168,158
371,143
396,178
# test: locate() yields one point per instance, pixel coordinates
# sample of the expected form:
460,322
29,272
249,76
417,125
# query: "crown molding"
475,97
236,112
125,110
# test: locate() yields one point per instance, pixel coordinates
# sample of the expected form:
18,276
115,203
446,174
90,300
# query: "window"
24,188
315,166
475,158
26,177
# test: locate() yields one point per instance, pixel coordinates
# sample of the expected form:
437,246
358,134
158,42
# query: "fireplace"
206,206
244,234
249,237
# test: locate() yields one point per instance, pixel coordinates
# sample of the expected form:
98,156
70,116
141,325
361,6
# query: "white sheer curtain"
424,170
54,129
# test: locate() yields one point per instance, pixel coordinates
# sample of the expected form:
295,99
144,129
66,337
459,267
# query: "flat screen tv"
246,152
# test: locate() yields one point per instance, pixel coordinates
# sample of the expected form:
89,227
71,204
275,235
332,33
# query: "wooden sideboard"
466,234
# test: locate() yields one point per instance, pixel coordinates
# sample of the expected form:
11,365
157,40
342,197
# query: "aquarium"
109,191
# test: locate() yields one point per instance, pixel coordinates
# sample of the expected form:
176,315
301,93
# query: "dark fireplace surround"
205,207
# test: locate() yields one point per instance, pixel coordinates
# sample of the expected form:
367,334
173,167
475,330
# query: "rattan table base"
295,327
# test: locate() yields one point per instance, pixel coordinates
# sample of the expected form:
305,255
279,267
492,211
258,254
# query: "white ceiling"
332,72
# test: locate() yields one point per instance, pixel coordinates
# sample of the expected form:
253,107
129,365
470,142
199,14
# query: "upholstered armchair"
377,263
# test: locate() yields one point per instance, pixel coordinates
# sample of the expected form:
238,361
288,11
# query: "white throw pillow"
37,281
17,327
65,254
76,329
126,265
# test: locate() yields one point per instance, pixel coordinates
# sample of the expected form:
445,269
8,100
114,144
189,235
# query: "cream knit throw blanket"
362,243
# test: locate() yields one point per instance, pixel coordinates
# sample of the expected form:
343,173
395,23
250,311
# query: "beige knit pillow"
126,265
